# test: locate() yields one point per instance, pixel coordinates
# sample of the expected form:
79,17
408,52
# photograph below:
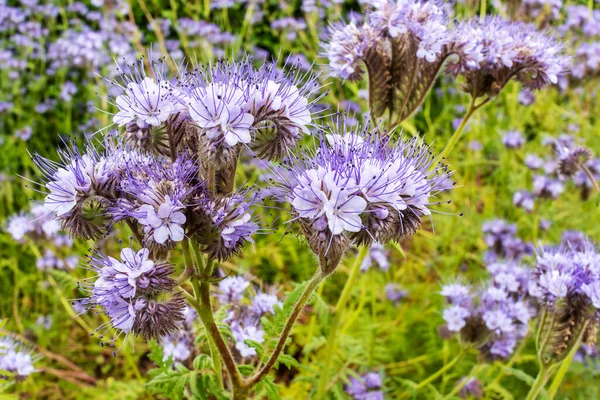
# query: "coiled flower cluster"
566,284
404,44
493,317
135,292
359,187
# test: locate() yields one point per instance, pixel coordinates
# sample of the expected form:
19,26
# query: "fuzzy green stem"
216,360
332,339
202,305
457,134
539,382
287,329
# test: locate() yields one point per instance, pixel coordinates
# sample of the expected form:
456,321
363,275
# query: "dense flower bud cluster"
359,187
566,284
135,292
493,317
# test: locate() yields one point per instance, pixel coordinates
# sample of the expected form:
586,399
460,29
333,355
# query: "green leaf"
286,360
171,382
520,375
246,369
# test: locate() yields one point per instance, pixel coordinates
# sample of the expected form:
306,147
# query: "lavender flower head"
358,187
513,140
493,317
15,359
135,292
366,387
494,51
566,284
402,45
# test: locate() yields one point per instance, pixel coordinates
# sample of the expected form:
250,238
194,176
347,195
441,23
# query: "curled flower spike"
145,101
494,51
402,44
135,292
81,188
566,283
228,226
358,187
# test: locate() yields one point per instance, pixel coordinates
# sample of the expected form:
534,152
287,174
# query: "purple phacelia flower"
366,387
165,223
524,199
513,140
232,289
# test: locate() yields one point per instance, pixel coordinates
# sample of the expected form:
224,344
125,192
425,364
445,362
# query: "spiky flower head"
135,292
493,317
401,44
359,187
494,51
566,283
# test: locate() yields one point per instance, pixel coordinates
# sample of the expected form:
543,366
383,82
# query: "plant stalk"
332,335
298,307
539,382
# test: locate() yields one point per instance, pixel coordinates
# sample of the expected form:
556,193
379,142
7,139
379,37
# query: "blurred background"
54,56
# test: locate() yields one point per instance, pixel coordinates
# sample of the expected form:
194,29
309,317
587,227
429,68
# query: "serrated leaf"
286,360
246,369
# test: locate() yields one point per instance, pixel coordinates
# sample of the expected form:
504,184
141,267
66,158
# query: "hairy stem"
287,329
332,335
202,304
457,134
539,382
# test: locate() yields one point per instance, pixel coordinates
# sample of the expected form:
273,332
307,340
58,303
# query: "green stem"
216,360
332,335
482,10
457,134
590,175
287,329
439,373
539,382
203,307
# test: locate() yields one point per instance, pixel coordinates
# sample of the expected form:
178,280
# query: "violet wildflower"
524,199
145,102
402,44
472,388
500,236
232,289
494,51
360,188
365,387
395,293
493,317
513,140
164,223
136,294
567,287
377,255
16,360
